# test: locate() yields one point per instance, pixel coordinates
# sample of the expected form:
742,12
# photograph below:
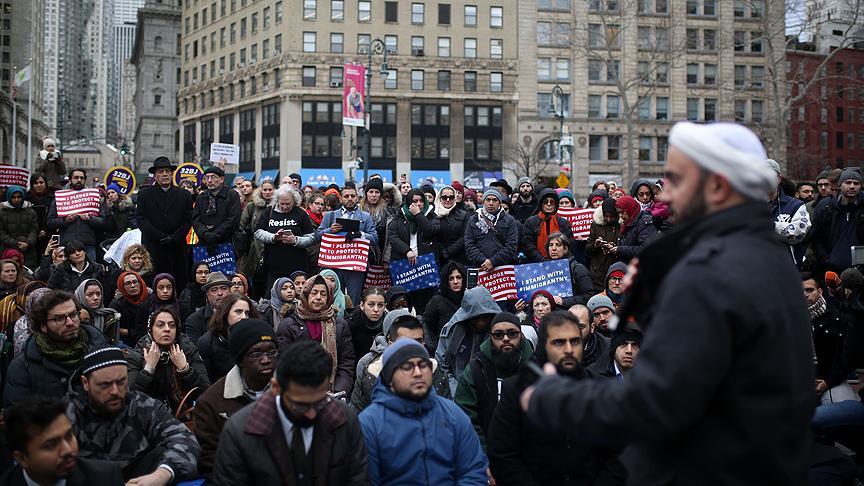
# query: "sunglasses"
511,334
448,198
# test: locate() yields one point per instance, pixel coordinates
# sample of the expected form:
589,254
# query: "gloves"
206,237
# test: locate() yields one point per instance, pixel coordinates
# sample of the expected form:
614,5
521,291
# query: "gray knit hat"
850,173
599,301
524,180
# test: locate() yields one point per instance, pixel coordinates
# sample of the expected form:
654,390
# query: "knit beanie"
375,184
114,187
630,332
568,195
248,333
599,301
102,358
46,142
493,192
850,173
506,317
398,353
458,187
524,180
609,207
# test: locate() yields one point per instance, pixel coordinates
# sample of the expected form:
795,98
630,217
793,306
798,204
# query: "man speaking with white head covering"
723,393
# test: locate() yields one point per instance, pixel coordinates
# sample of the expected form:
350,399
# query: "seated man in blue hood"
413,436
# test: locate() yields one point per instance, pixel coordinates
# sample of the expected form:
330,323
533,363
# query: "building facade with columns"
267,75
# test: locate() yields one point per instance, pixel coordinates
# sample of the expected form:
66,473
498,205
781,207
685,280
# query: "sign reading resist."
85,201
339,254
422,275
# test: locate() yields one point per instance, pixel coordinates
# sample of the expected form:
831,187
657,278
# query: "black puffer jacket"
63,277
159,384
636,236
399,233
215,354
532,229
363,331
451,238
122,217
443,304
19,224
293,329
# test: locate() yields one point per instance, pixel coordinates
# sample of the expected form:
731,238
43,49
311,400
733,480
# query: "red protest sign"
377,277
339,254
85,201
14,176
500,282
580,221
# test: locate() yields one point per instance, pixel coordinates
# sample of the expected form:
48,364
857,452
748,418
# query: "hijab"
155,303
137,299
631,207
98,315
276,301
321,325
454,297
338,295
440,210
412,225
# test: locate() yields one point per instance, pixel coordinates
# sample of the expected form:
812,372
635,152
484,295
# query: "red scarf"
315,217
548,226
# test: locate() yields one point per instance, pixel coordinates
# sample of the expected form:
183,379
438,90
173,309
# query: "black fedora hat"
162,163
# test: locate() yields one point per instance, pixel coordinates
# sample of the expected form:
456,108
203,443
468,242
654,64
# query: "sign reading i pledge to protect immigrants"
85,201
339,254
377,276
11,175
580,221
500,282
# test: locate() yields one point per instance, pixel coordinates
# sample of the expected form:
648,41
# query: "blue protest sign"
323,177
421,275
435,178
552,276
222,261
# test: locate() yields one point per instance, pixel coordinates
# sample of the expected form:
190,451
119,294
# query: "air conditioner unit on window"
335,84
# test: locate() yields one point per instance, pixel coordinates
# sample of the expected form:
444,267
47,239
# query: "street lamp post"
558,94
377,46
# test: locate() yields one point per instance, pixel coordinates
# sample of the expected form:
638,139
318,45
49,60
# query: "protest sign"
11,175
221,261
339,254
422,275
70,201
188,171
123,177
580,221
500,282
224,153
378,276
552,276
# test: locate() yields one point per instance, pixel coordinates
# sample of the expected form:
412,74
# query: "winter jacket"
128,319
733,344
791,222
363,331
17,225
215,354
86,473
219,227
212,410
30,373
293,329
430,441
595,349
600,261
369,367
532,229
143,425
54,171
829,336
191,299
521,211
121,216
159,384
399,234
836,227
198,323
87,232
580,281
498,245
65,277
635,236
442,305
479,387
164,217
253,450
451,238
245,244
459,341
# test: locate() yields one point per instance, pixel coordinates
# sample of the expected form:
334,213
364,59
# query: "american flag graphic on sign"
500,282
339,254
376,276
580,221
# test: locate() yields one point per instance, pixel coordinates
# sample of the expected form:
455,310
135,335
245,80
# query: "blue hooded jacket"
427,442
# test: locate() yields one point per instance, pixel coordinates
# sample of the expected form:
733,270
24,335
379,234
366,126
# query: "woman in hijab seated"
90,295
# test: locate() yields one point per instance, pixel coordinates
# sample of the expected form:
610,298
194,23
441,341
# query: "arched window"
157,43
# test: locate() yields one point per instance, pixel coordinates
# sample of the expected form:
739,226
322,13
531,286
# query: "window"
612,70
613,147
755,42
278,9
157,100
265,18
417,46
709,40
643,69
693,109
544,34
391,11
661,108
470,82
309,76
692,7
662,72
756,111
496,48
337,43
418,12
417,80
740,110
336,76
233,32
391,44
612,106
544,69
662,148
544,105
363,42
562,69
710,109
756,9
661,39
838,114
710,74
646,144
391,81
709,7
595,147
243,28
443,80
644,108
738,10
692,74
277,43
562,34
692,39
740,76
443,14
739,39
757,76
337,10
443,47
594,102
470,15
496,17
364,11
496,82
308,41
470,47
643,37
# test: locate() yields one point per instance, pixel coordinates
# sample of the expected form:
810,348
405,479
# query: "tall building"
19,19
127,118
267,76
832,24
102,100
123,25
628,71
157,64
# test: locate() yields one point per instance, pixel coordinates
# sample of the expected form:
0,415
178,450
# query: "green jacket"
479,396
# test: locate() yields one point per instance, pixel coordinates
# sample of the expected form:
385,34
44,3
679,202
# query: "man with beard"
491,235
216,214
623,351
46,451
55,351
521,454
839,224
130,428
595,346
805,191
526,204
296,434
602,311
413,435
351,281
739,334
82,227
791,219
164,216
500,356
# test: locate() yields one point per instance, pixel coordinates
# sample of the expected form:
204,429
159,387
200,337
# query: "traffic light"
124,149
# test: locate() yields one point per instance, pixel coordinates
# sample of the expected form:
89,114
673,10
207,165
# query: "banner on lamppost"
353,95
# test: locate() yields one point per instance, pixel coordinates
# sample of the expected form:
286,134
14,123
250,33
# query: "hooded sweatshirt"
443,304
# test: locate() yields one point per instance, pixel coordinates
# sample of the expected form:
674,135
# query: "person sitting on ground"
214,344
365,322
624,351
446,302
133,296
105,319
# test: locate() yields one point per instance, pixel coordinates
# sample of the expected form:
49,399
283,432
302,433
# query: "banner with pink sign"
580,221
353,95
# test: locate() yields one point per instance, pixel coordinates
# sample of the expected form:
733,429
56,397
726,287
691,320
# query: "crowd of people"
156,369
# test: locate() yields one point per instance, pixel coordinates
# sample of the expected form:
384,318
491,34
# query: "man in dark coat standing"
216,215
164,216
732,403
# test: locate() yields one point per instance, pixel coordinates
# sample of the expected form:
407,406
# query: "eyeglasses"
616,279
301,408
257,355
408,367
448,198
511,334
61,319
236,284
131,283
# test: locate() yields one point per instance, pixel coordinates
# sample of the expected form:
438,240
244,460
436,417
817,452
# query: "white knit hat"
48,141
